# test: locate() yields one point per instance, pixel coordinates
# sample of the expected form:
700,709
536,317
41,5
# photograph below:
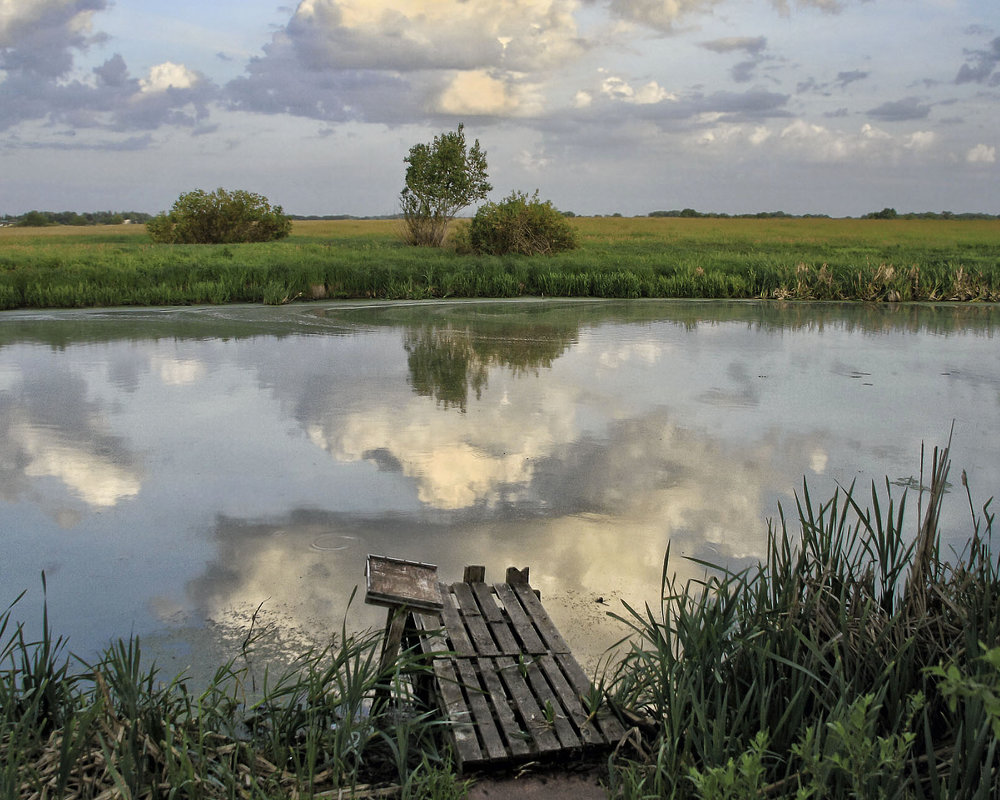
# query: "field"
812,259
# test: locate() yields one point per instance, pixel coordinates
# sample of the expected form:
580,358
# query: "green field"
809,259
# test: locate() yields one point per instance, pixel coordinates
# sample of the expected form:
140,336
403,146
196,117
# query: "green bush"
520,224
220,217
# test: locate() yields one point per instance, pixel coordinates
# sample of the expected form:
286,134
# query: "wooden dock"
504,676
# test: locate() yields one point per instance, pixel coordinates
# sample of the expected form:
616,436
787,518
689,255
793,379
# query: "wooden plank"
499,624
395,582
542,737
571,701
482,714
453,623
539,616
431,633
553,713
610,727
521,622
453,702
472,616
516,738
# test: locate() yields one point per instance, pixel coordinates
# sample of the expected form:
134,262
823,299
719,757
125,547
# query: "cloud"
658,14
39,42
168,75
846,78
730,44
650,93
982,154
480,93
39,36
428,34
908,108
392,62
981,65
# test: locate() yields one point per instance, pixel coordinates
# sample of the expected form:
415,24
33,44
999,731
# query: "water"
176,472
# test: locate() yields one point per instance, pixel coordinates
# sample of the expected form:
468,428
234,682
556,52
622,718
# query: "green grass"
816,259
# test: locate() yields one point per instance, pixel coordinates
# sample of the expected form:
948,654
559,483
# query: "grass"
853,662
113,728
815,259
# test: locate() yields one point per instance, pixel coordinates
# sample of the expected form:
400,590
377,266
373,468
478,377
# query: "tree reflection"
452,362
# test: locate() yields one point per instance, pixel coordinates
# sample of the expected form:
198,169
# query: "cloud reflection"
50,429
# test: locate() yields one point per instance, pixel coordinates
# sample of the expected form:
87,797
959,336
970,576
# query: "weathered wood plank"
482,713
515,737
610,727
453,702
539,616
472,616
456,627
543,738
430,632
521,622
554,714
500,625
571,702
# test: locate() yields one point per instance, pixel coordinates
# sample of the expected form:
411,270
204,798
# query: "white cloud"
168,75
431,34
648,94
91,476
478,92
920,140
982,154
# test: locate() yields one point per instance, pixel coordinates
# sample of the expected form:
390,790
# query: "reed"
818,673
70,729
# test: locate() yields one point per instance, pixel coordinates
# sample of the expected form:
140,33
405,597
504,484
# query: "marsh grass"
818,673
113,728
872,260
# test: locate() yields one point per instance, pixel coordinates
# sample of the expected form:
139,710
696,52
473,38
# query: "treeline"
40,219
885,213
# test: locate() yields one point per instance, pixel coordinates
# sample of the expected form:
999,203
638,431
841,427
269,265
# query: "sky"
836,107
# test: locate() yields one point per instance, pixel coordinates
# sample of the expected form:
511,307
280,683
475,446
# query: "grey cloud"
41,38
748,44
900,110
744,71
37,50
845,78
981,65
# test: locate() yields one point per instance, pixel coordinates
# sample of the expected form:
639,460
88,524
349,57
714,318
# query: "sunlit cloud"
982,154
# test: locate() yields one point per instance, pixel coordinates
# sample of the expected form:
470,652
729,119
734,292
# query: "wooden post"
517,576
474,574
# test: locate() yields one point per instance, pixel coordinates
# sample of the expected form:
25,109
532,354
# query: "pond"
191,474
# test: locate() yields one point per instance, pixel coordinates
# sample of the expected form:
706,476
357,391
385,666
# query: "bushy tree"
220,217
520,224
442,178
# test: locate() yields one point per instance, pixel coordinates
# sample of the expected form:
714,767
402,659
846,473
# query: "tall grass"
871,260
113,728
819,673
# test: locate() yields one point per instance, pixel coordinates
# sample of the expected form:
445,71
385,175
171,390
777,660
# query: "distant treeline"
39,219
885,213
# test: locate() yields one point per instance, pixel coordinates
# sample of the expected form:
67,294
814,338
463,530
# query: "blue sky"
808,106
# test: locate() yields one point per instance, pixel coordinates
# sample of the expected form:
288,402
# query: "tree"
442,178
220,217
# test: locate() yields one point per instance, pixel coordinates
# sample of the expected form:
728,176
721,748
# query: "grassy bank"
854,662
874,260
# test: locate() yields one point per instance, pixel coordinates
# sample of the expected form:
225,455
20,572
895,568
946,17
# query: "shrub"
220,217
520,224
